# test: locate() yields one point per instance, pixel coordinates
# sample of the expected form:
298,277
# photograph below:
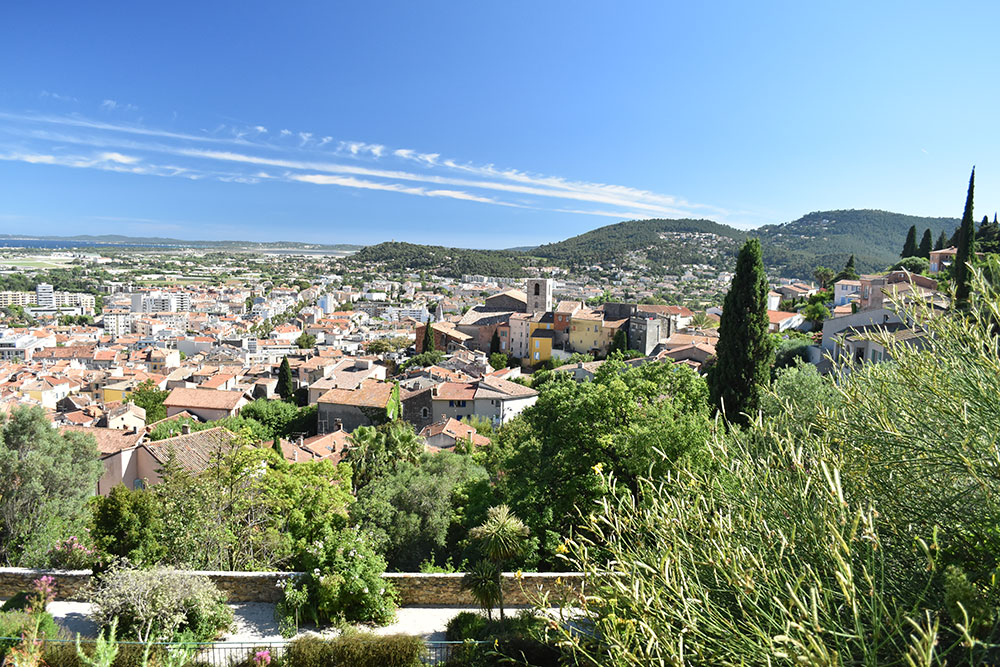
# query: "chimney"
579,364
185,429
300,440
338,424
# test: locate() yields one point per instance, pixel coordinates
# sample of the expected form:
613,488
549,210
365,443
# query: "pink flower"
262,658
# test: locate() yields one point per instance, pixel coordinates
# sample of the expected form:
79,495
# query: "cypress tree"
966,249
495,343
925,244
286,388
744,352
848,272
619,343
941,241
428,345
910,246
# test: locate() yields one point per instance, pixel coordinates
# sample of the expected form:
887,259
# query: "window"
538,344
425,413
536,356
138,485
537,286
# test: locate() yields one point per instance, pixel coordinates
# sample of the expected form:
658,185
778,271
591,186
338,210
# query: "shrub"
344,580
160,604
16,603
16,623
71,554
466,625
129,655
356,649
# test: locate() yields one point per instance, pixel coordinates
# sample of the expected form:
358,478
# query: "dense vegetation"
855,523
613,242
451,262
792,249
827,238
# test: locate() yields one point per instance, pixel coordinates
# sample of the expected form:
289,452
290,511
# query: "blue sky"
486,124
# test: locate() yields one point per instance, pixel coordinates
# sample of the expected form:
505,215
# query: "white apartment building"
14,346
117,322
161,302
16,299
44,296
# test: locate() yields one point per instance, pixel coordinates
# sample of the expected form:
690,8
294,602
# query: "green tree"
46,478
966,249
495,343
848,272
286,387
823,276
498,360
150,398
375,452
500,538
410,512
428,343
910,245
129,523
627,421
913,265
942,239
744,352
701,320
306,341
619,343
926,242
815,314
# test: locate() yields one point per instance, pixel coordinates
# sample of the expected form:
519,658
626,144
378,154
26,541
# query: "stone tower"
539,295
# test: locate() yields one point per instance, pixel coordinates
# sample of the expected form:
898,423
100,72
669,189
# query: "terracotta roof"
209,399
109,440
680,311
568,306
369,394
328,446
216,381
194,451
779,316
455,391
506,387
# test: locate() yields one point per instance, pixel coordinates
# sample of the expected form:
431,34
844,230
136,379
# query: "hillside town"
441,354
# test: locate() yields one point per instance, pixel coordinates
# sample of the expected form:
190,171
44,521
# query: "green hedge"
355,650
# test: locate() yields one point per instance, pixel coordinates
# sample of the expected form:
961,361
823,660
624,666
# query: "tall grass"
869,538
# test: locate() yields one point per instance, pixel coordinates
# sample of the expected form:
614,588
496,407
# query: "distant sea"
66,244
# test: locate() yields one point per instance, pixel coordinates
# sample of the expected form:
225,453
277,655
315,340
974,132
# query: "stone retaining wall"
415,589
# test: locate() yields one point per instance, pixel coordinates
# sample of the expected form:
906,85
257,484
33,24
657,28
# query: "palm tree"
501,538
366,453
481,581
701,320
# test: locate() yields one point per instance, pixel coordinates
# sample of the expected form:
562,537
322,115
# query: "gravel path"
254,621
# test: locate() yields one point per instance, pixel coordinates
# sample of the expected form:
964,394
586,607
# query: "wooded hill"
792,249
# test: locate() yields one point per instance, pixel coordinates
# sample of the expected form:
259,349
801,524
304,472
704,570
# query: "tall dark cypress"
966,249
286,388
910,246
428,345
744,352
926,242
941,241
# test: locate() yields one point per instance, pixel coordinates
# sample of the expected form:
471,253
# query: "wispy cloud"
250,155
56,96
